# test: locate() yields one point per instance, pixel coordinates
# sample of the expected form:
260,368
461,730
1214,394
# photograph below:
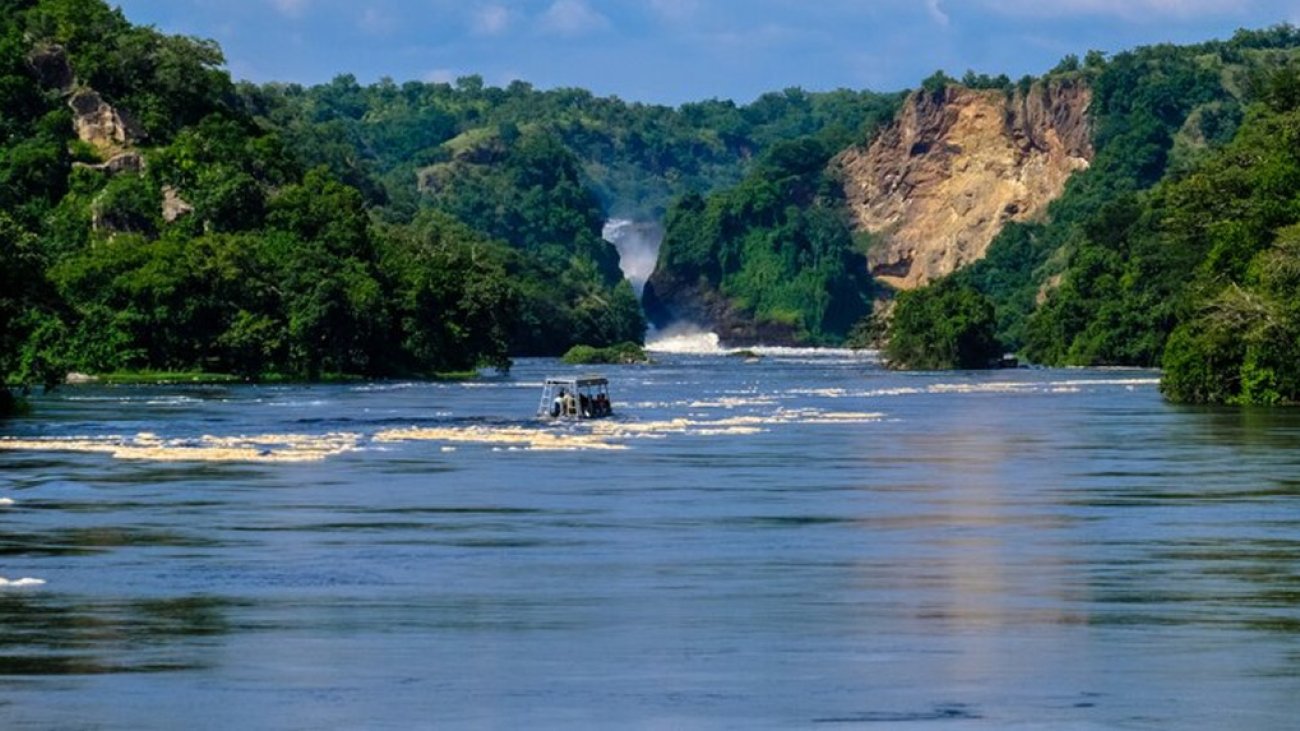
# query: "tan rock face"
98,123
938,185
122,162
173,205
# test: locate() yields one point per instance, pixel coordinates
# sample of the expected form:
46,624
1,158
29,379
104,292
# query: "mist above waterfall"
638,248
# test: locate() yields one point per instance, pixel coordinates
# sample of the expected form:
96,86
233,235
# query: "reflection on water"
47,636
802,541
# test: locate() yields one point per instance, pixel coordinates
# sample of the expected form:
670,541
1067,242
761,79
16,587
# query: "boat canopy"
581,397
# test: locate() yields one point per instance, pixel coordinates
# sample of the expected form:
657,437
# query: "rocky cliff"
109,129
955,166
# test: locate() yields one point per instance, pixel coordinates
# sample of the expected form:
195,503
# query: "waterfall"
638,248
638,253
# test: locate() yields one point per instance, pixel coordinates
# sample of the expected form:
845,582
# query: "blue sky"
672,51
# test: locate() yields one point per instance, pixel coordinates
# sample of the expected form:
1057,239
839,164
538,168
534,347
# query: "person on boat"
585,402
557,407
570,405
602,405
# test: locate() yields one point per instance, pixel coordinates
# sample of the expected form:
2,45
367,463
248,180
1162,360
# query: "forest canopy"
157,215
1176,248
290,231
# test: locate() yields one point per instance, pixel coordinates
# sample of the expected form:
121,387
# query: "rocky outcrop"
173,205
98,123
956,166
109,130
50,62
123,162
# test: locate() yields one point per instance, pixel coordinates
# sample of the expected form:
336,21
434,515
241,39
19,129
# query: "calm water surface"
1024,549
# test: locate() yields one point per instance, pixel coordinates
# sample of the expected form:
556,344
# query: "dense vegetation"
623,354
944,327
635,157
1143,103
300,232
778,246
1237,219
304,231
1172,249
269,261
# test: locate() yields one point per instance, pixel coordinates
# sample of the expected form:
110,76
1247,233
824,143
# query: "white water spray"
638,248
683,338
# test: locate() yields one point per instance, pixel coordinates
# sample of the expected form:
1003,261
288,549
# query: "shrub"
621,354
943,327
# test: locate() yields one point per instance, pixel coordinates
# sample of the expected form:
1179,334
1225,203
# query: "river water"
801,541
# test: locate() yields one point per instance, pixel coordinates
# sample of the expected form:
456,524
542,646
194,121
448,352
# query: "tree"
28,353
936,83
1244,344
942,327
777,247
453,299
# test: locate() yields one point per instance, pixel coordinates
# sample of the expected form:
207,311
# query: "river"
803,540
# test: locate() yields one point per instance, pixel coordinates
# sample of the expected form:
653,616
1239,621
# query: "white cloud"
490,20
936,12
1153,10
377,22
676,11
440,76
291,8
768,35
572,18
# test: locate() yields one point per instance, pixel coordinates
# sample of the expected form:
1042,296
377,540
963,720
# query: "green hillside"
1179,228
151,220
157,216
1174,248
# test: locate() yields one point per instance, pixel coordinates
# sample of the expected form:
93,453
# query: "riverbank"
10,404
165,378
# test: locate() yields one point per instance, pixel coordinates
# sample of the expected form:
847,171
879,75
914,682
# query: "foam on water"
130,398
18,583
742,411
732,402
6,502
514,436
206,448
684,340
688,339
818,355
615,434
383,387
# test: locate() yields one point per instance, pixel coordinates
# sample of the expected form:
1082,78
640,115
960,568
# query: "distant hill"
156,215
1135,210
